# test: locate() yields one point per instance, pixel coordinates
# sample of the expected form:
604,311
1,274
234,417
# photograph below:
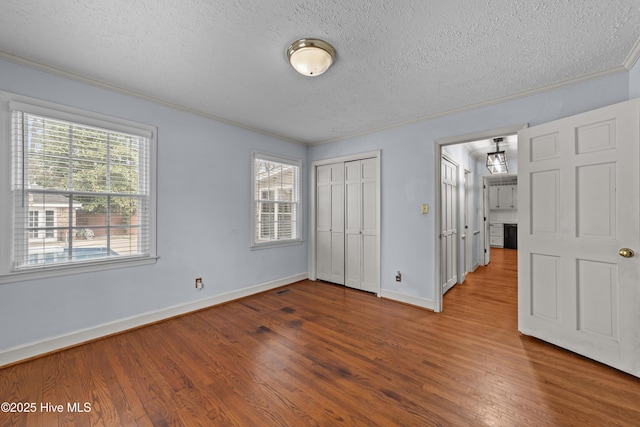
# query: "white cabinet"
503,197
494,192
496,235
347,224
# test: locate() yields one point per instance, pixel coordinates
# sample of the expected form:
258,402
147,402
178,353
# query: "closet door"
361,259
330,223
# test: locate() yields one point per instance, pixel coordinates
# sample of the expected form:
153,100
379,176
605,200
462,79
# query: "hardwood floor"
320,354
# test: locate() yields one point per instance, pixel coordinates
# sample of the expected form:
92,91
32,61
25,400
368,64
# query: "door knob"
626,252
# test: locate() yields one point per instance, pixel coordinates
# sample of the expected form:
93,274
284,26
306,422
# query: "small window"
81,188
49,224
276,200
33,224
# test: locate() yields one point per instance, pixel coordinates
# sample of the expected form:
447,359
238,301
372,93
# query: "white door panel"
449,229
579,183
369,263
361,225
369,226
323,223
323,259
353,258
353,214
486,224
330,223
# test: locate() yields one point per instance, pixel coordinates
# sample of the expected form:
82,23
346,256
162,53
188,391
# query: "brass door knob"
626,252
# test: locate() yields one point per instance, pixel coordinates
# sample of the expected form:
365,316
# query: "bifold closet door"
361,225
330,223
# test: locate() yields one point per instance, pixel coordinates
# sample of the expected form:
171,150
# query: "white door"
361,259
330,223
468,223
579,207
486,223
368,193
449,229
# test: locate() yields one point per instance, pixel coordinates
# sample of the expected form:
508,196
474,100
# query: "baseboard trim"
407,299
17,354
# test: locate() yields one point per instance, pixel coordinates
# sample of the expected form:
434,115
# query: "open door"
468,223
449,225
486,223
579,217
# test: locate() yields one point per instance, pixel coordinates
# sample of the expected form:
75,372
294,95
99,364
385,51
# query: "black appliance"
511,236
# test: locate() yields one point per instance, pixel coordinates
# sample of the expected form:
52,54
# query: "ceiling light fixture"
497,161
311,57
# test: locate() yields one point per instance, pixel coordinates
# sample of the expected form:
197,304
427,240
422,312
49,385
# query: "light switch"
425,209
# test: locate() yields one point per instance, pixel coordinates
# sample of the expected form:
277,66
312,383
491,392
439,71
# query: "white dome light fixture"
311,57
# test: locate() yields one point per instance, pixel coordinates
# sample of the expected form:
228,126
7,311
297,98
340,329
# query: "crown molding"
630,60
633,56
515,96
115,88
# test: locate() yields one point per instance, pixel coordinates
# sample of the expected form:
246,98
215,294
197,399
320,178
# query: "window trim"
254,244
9,101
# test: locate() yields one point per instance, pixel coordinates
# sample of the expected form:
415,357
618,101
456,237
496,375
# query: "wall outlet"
199,283
398,277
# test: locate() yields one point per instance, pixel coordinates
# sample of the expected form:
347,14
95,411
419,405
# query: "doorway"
480,228
449,220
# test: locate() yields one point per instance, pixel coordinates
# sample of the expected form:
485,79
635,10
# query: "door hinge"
485,251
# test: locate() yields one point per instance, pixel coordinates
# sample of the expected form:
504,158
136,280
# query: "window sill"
275,244
66,270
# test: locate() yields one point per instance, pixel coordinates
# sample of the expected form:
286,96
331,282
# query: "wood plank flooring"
324,355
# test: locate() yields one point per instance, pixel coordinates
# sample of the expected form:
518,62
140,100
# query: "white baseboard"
16,354
407,299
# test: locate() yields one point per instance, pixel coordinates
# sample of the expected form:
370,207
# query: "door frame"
438,144
312,208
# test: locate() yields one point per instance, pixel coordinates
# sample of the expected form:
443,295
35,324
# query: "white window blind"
81,191
276,200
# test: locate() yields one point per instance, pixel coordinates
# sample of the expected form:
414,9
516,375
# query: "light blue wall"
634,81
407,161
204,217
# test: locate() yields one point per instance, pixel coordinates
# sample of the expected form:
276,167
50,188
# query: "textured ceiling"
397,61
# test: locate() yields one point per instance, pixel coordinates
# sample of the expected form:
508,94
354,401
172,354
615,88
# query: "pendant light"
497,161
311,57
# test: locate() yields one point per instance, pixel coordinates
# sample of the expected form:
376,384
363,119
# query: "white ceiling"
397,61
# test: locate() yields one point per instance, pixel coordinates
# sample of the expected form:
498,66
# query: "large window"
276,200
82,190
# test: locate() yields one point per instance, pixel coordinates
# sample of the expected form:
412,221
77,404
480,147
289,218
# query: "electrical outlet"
198,282
398,277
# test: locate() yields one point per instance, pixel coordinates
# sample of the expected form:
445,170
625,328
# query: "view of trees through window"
84,187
